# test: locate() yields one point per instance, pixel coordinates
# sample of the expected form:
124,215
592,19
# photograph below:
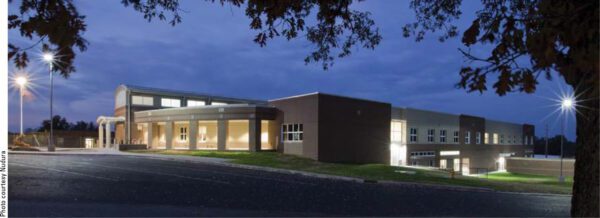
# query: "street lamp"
22,82
567,104
48,57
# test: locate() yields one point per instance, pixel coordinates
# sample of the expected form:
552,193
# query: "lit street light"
22,82
48,57
567,104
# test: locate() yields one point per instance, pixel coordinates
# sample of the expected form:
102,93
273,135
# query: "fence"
64,139
548,167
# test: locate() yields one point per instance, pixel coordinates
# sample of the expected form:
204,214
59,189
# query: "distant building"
319,126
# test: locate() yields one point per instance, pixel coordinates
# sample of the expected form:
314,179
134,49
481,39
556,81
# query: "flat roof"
329,94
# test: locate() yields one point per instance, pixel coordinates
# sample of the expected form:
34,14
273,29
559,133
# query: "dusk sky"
212,51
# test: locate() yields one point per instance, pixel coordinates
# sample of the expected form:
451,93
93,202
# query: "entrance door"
465,166
456,164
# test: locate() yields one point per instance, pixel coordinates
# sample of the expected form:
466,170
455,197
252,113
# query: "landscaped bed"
496,181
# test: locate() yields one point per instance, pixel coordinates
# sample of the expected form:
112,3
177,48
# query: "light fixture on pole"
48,57
22,82
567,104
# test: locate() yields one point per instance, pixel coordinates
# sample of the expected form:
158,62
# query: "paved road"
106,185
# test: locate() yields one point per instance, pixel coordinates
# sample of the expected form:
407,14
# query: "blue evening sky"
212,51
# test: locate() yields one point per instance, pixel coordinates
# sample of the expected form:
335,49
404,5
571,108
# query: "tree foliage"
61,123
529,39
57,25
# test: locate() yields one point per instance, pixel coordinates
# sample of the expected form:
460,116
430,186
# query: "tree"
91,126
554,146
59,123
79,126
533,39
530,38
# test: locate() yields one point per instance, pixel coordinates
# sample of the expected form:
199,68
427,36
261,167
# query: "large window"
514,141
430,135
170,102
486,138
207,134
455,137
468,137
396,131
478,138
443,135
413,134
495,138
501,138
193,103
238,135
292,132
218,103
142,100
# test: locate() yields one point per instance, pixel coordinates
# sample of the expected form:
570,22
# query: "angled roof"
159,91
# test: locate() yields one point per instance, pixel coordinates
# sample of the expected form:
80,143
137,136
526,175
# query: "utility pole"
546,150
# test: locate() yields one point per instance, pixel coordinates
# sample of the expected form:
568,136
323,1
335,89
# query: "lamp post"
49,58
21,81
566,105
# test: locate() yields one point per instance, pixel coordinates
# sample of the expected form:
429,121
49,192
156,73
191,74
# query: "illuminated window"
183,134
218,103
443,164
396,131
413,134
193,103
170,102
449,153
443,135
292,132
430,135
142,100
486,139
455,136
478,138
495,138
468,137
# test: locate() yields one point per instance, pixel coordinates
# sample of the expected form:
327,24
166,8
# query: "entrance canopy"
105,120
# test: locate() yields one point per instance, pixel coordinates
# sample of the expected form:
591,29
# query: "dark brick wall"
353,130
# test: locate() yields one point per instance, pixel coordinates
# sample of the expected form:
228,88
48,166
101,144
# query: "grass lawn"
497,181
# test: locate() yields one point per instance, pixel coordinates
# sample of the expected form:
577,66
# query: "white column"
108,139
100,135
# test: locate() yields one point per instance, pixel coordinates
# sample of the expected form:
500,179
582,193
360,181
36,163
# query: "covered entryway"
105,130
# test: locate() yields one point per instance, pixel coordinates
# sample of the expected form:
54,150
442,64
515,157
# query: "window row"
496,138
169,102
293,132
422,154
413,135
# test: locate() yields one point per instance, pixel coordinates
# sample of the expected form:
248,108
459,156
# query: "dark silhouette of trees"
530,39
554,146
61,123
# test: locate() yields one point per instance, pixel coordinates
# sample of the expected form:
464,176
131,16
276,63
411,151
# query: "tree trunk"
586,199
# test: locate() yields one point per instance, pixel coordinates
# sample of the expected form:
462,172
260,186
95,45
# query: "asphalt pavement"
119,185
